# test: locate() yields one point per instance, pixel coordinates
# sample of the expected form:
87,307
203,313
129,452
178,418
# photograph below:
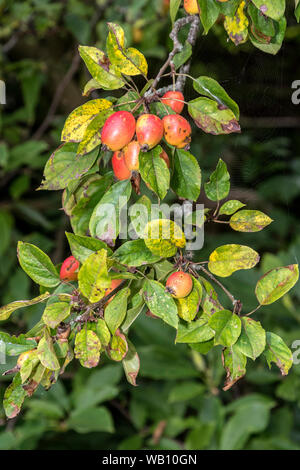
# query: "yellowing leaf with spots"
249,221
129,61
79,119
92,135
106,75
276,283
118,347
163,237
237,26
227,259
93,277
87,348
188,306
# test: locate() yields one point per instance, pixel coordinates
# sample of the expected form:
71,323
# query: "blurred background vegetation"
179,403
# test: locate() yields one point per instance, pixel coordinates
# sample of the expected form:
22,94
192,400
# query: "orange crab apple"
149,131
114,283
175,100
191,7
69,269
177,130
131,155
179,284
118,130
120,169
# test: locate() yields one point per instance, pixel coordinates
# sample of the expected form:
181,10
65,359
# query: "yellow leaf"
77,122
163,237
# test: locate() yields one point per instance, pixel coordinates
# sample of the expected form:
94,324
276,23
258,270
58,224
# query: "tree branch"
194,22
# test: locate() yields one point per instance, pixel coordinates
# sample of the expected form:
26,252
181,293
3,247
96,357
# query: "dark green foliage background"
179,391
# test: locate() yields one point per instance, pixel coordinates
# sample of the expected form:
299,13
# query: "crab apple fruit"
175,100
114,283
191,7
131,155
177,130
69,269
165,157
179,284
22,358
120,169
118,130
149,131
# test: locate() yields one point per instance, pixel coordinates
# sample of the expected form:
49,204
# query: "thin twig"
212,277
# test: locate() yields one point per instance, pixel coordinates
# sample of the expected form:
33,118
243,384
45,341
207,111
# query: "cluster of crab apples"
127,137
179,284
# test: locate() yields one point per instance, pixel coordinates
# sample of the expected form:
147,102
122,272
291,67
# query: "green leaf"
55,313
274,45
131,364
37,265
135,253
154,171
7,310
297,10
202,348
272,8
186,179
230,207
188,306
252,341
183,56
227,327
276,283
16,345
277,351
104,222
174,7
194,332
82,247
249,221
209,13
115,311
218,186
108,77
92,419
102,332
160,303
213,118
227,259
128,61
118,347
212,89
14,397
29,365
65,166
77,122
93,278
46,352
92,135
140,214
210,302
86,202
185,391
235,366
87,348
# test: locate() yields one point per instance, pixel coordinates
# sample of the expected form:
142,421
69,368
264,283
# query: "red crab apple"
69,269
149,131
118,130
175,100
177,130
179,284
